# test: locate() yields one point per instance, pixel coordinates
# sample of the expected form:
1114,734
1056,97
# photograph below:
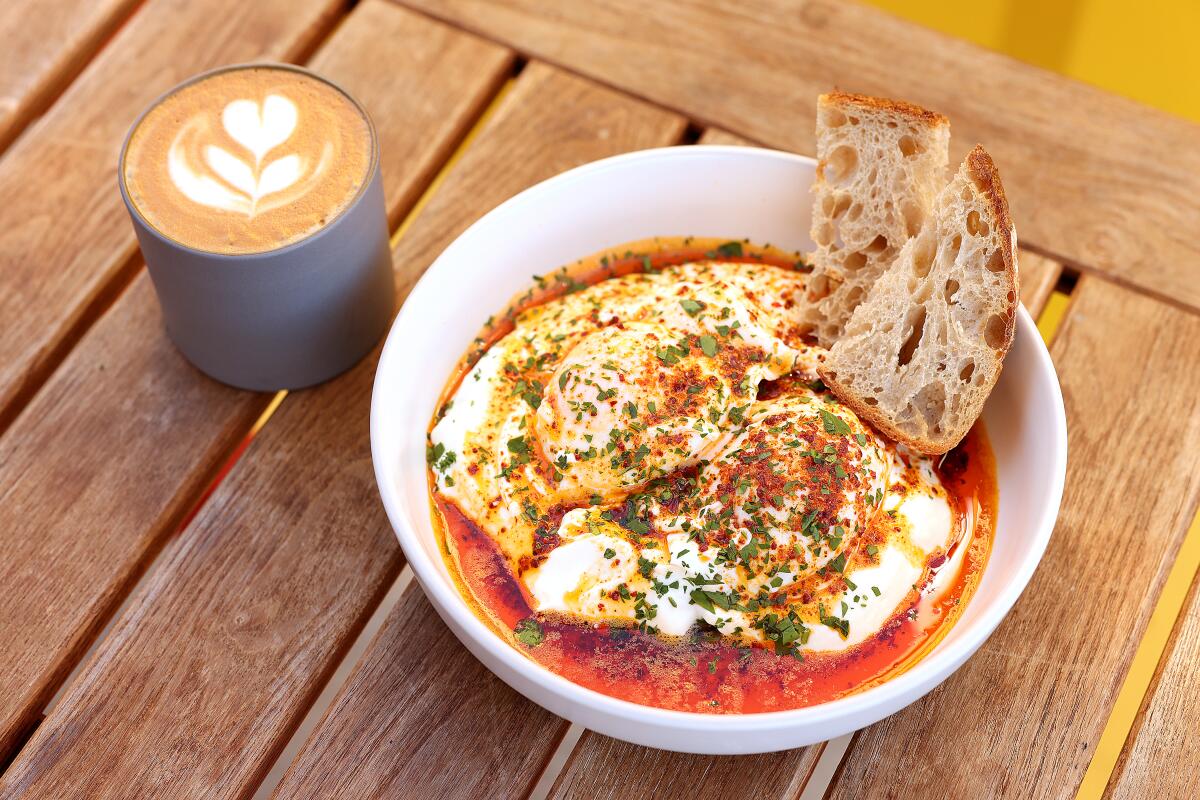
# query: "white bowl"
729,192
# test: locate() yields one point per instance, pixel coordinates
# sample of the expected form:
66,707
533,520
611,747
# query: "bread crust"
911,110
983,171
876,418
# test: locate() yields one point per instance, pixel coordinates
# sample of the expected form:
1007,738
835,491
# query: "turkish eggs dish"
639,481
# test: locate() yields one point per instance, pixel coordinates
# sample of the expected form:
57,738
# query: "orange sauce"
704,672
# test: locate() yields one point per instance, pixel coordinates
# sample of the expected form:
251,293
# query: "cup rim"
145,224
893,693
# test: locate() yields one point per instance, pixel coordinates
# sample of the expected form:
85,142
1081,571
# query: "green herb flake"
529,632
834,424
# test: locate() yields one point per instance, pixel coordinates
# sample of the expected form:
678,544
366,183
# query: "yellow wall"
1147,50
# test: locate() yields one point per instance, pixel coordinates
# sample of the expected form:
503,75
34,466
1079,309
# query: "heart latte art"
248,160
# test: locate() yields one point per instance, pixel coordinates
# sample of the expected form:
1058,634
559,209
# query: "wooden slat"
602,768
250,609
67,235
116,448
1164,758
1039,274
1023,716
44,47
413,709
1085,170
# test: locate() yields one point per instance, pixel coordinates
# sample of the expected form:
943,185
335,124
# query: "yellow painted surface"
1141,670
1146,51
1052,314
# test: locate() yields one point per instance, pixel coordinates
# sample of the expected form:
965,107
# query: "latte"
248,160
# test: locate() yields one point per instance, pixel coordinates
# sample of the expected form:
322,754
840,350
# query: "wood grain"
1039,274
251,608
1026,712
44,49
601,768
413,709
1094,179
1163,758
118,445
72,237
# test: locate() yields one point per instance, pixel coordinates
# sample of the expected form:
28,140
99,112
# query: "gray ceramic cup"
285,318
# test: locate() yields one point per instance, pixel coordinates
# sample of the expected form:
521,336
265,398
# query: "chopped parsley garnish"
730,249
834,424
708,345
840,625
529,632
439,457
692,307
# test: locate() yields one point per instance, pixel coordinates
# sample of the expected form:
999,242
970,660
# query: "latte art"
213,176
248,160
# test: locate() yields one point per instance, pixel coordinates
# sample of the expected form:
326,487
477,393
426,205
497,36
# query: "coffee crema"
248,160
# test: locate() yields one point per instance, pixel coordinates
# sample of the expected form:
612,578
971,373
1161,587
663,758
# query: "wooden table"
200,595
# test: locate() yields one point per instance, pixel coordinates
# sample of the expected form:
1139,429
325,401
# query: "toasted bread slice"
881,164
920,356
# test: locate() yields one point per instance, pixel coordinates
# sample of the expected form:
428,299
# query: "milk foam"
281,151
259,129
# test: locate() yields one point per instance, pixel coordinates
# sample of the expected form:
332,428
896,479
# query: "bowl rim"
902,689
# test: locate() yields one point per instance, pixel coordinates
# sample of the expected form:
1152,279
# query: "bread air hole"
968,369
834,118
877,245
840,206
931,402
841,164
995,262
824,234
854,261
954,248
855,296
993,331
916,327
818,287
975,225
854,213
909,146
923,253
912,218
950,290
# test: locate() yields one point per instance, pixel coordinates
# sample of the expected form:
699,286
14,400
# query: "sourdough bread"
920,356
881,164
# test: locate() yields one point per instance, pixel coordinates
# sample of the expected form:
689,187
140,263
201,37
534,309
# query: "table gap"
54,90
1141,680
333,687
820,778
93,310
558,762
226,465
